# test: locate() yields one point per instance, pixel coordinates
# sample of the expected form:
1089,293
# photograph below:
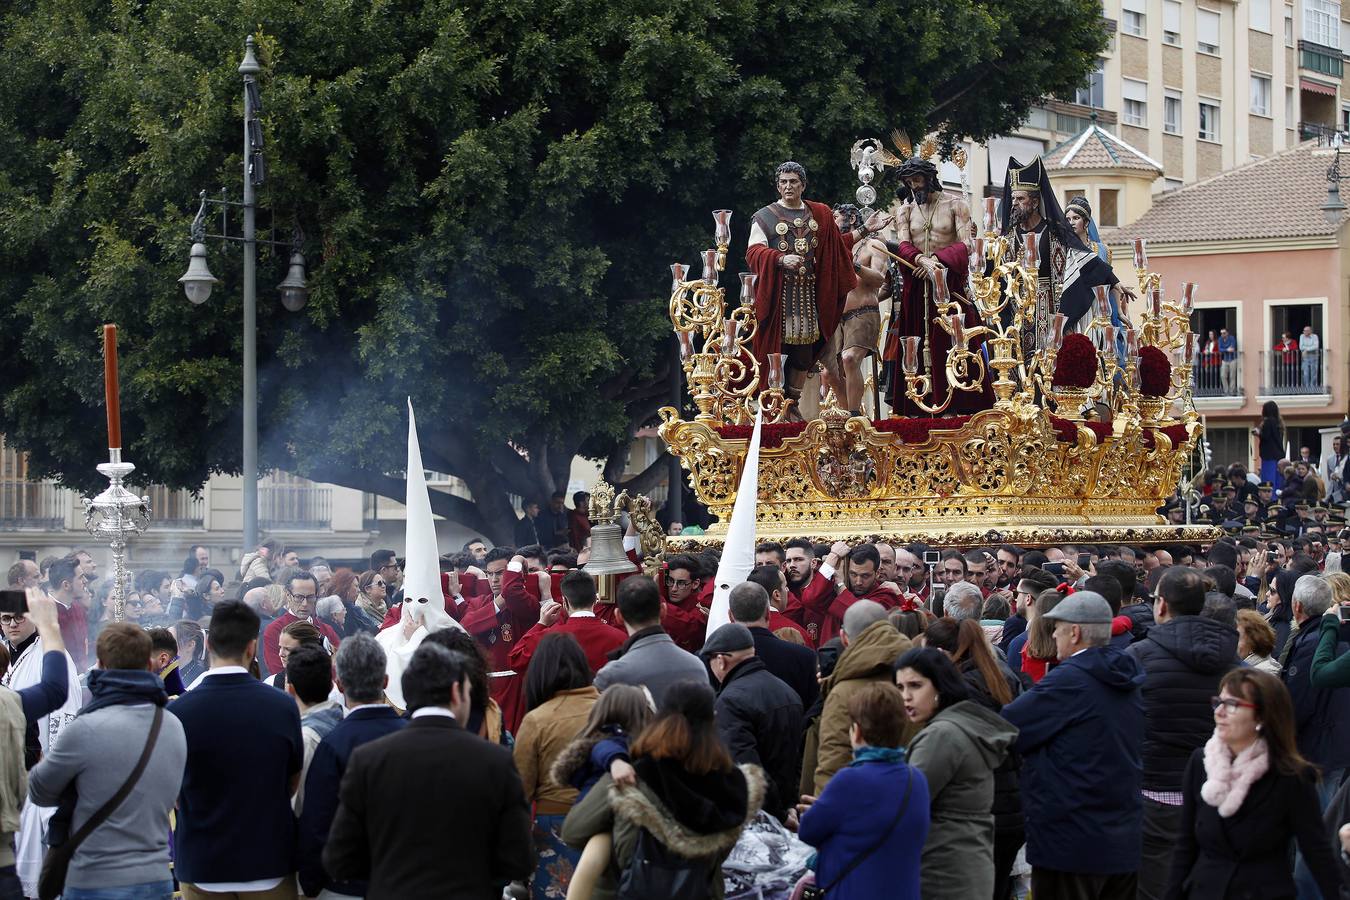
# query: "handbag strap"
116,800
858,860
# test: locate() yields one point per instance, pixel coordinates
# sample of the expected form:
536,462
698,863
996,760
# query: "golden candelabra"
716,347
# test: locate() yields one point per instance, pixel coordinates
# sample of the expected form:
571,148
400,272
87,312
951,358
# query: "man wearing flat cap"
1081,731
758,715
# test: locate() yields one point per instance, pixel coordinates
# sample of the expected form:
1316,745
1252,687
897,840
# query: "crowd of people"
1083,722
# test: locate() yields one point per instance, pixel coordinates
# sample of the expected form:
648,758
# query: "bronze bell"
607,556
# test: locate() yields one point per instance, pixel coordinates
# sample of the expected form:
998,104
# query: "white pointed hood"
738,553
423,604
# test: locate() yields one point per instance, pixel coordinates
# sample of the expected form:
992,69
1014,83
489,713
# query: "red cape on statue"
834,279
912,322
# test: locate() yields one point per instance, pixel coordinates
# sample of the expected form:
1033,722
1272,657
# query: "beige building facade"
1201,86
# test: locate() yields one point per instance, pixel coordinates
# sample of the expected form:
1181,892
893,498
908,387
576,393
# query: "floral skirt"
553,872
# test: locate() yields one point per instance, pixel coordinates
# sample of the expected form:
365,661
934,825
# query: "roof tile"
1279,196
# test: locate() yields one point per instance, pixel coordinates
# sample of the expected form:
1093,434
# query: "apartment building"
1268,260
1200,86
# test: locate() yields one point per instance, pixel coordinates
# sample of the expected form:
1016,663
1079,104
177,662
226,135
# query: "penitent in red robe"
834,279
916,314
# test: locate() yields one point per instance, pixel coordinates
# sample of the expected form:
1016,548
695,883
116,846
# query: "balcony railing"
1293,372
1323,132
1213,377
171,508
32,504
295,506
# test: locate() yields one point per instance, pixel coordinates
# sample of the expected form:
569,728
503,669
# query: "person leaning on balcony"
1228,362
1285,360
1209,360
1310,349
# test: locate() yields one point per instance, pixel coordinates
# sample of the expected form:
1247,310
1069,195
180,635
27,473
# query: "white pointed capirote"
423,603
738,553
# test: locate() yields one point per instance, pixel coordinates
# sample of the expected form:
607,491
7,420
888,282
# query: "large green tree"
492,192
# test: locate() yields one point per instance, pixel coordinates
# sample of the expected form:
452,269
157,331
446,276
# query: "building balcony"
1217,378
1294,374
32,505
1322,60
294,507
1325,134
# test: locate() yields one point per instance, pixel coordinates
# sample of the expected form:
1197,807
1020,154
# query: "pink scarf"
1227,779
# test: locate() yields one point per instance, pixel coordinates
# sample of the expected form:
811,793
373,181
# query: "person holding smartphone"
1331,662
30,617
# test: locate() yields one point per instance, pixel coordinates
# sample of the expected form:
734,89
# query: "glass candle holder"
777,361
977,256
1030,252
731,330
686,344
710,267
911,355
1187,297
1131,343
1140,253
1058,322
941,294
1155,302
722,227
748,280
1101,296
1189,347
1109,339
678,273
990,209
958,326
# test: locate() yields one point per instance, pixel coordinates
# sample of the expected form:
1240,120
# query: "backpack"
656,871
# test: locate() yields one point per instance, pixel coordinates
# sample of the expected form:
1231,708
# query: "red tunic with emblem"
594,636
685,622
834,621
497,629
779,620
810,605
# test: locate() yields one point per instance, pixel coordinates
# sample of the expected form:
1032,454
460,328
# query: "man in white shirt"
1310,351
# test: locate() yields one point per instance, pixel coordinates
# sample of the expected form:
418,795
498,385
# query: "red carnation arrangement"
1155,373
1076,364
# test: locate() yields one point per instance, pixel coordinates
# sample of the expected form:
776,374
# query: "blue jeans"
150,890
1311,373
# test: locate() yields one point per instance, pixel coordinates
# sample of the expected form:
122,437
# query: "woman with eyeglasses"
1245,794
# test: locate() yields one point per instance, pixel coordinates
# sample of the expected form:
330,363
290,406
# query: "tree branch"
448,506
648,477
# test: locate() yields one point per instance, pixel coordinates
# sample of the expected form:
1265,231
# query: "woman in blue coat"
870,823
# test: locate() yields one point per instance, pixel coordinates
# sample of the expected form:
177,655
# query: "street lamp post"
198,280
1334,207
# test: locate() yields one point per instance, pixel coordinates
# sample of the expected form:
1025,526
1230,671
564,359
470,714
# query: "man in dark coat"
360,666
1321,715
1080,731
794,664
409,796
1184,657
758,716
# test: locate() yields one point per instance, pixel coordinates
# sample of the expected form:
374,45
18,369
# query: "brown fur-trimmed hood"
572,758
642,808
